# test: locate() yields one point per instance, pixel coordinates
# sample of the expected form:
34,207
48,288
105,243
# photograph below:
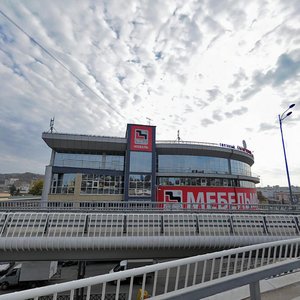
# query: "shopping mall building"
137,167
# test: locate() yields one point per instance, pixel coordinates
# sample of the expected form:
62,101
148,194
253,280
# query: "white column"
47,183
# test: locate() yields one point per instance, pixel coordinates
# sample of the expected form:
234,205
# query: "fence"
42,231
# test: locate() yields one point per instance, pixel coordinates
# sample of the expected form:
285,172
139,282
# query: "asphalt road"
69,273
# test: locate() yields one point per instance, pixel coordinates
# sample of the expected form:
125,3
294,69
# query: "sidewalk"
285,287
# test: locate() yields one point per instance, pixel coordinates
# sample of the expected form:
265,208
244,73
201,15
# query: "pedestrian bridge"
47,235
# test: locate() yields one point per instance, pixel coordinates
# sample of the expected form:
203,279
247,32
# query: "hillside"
23,177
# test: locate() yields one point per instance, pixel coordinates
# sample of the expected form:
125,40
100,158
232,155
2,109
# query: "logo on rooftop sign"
141,138
173,196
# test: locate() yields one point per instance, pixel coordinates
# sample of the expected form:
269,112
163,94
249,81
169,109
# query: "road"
69,273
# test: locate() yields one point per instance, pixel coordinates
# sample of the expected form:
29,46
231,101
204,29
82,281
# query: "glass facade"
140,162
63,183
240,168
140,178
192,164
247,184
102,184
193,181
91,161
140,185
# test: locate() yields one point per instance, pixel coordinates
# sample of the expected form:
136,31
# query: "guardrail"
142,206
198,276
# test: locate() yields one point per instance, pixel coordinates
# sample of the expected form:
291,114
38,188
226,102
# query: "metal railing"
200,276
220,145
32,231
142,206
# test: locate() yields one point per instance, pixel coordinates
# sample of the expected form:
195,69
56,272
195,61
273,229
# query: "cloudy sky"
219,71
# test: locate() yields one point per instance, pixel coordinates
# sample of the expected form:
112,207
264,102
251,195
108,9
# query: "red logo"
141,138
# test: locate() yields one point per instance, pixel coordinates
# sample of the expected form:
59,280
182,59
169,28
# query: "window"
140,161
140,185
192,164
200,181
90,161
247,184
63,183
240,168
102,184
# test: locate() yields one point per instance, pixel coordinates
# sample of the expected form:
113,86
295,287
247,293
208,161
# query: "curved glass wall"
192,164
91,161
247,184
193,181
240,168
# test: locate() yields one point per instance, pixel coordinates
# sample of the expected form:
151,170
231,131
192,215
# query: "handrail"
138,206
194,271
219,145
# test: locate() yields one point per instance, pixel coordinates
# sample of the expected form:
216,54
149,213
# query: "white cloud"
183,64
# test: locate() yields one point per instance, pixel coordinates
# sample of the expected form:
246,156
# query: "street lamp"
281,117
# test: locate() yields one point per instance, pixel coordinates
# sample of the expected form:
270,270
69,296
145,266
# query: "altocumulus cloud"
179,63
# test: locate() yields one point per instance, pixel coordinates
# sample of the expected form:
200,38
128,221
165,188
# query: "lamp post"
281,117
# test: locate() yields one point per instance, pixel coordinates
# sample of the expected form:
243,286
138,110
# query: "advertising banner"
208,197
141,138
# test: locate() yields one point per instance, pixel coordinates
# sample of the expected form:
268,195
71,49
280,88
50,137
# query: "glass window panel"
63,183
140,185
101,184
192,164
140,161
93,161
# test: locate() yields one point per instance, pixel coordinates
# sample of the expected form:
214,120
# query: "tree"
261,198
12,190
37,187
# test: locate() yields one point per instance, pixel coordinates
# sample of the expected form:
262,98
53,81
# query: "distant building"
279,195
139,168
10,181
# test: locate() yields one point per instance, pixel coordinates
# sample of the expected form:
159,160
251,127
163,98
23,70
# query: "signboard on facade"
141,138
207,197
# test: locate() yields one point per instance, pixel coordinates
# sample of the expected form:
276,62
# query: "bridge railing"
173,279
122,206
62,231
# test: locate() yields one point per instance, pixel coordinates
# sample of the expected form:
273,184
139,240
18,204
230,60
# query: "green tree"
12,190
37,187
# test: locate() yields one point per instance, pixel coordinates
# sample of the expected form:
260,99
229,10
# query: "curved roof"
62,142
203,149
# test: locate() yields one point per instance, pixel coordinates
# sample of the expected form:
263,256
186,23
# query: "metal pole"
254,291
286,164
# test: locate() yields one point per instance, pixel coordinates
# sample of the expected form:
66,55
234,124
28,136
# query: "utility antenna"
52,125
178,136
149,121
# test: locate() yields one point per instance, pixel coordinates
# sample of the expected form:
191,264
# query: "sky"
219,71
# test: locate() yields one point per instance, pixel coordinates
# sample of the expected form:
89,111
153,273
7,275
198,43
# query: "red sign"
208,197
141,138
